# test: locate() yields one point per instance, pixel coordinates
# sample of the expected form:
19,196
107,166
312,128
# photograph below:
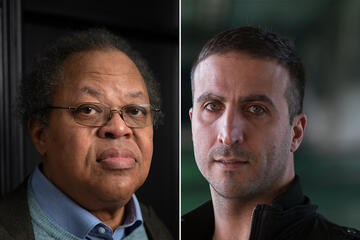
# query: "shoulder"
337,231
204,211
15,218
4,235
322,228
198,223
12,204
155,228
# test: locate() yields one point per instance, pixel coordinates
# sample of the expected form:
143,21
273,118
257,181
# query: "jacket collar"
14,214
284,217
293,196
287,209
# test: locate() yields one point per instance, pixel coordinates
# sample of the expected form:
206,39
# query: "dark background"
327,37
151,27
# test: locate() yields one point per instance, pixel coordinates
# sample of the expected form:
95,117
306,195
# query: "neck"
232,218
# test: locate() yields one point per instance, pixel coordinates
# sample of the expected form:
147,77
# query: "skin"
243,141
70,151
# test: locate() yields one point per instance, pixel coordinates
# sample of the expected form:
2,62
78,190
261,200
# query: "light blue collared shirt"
75,219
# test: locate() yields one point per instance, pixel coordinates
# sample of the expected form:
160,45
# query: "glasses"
94,114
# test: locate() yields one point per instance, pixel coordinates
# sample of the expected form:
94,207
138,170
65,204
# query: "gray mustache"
233,151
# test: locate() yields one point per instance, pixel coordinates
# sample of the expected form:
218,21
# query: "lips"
230,162
115,159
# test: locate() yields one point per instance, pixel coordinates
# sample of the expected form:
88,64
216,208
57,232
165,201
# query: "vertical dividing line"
16,157
2,114
11,134
5,98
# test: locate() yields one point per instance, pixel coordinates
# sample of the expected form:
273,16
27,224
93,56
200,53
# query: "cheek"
72,146
204,137
144,141
267,140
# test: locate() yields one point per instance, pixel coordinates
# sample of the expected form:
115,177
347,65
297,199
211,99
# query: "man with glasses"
247,122
90,106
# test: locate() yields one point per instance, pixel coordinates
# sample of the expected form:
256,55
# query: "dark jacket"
15,221
291,217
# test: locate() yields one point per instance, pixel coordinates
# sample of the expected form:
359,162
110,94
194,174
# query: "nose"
231,128
115,128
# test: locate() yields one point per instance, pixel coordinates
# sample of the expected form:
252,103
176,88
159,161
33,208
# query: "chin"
116,187
116,195
232,189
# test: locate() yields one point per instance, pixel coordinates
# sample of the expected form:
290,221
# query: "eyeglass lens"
97,114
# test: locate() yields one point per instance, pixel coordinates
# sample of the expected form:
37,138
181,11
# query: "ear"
298,129
190,113
37,135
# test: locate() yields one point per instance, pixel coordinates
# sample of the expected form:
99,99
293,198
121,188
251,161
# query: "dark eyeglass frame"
110,112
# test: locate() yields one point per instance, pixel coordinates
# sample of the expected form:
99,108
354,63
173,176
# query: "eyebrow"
137,94
251,98
208,95
257,97
91,91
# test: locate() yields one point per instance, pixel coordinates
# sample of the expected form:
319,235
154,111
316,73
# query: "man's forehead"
105,61
101,66
104,71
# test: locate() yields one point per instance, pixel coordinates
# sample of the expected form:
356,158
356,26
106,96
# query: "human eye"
136,111
88,109
212,106
256,109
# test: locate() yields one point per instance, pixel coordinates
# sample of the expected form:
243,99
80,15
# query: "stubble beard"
266,170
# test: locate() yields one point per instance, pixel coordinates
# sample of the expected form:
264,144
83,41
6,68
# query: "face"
97,166
242,139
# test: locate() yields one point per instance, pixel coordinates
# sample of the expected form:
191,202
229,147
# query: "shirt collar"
68,214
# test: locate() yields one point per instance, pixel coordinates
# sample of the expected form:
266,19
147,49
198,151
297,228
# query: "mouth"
230,162
114,159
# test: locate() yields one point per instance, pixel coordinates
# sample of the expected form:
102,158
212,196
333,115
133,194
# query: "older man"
247,122
90,106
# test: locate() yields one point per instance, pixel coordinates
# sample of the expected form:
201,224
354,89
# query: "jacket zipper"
255,221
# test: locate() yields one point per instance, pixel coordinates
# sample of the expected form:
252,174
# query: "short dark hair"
262,44
38,87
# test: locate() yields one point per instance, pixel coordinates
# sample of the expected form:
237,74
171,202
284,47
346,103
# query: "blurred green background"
327,36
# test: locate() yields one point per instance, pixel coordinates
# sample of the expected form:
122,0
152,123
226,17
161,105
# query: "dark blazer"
290,217
15,221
